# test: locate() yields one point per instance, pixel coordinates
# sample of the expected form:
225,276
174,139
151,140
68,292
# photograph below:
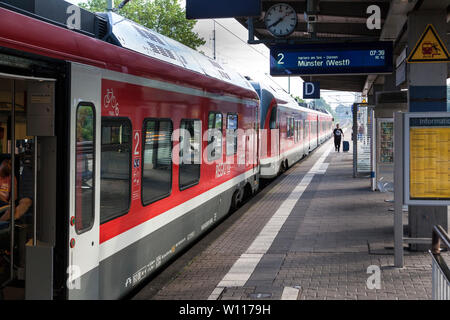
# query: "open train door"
84,207
28,142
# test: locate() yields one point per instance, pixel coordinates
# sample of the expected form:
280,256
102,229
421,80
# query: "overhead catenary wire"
242,40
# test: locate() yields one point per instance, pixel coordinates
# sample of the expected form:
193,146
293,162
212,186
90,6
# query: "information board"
331,58
364,139
427,142
386,154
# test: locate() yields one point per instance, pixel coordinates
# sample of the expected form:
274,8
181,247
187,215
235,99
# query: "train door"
308,136
84,206
27,175
317,130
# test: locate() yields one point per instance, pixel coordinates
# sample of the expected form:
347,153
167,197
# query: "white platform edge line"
263,242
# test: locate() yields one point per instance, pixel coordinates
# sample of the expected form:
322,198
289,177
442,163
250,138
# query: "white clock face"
281,20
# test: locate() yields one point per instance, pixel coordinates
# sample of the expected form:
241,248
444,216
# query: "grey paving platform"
334,233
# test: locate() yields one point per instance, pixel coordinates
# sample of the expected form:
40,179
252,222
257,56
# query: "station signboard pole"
398,189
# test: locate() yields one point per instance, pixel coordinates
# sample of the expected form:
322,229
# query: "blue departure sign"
331,59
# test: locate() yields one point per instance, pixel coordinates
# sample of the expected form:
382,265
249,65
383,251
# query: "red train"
135,147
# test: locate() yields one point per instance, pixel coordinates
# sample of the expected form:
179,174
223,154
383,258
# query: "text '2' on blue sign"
209,9
332,58
311,90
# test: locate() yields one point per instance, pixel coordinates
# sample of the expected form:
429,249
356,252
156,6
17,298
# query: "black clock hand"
276,22
279,20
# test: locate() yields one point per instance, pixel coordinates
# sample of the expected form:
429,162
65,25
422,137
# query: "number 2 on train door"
136,164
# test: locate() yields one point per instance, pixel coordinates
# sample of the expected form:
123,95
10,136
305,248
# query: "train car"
133,152
290,131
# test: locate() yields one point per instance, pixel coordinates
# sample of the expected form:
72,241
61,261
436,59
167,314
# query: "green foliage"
163,16
321,103
298,99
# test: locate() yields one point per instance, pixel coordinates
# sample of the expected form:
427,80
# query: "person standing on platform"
338,134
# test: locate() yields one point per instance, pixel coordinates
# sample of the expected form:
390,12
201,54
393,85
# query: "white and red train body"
120,208
290,130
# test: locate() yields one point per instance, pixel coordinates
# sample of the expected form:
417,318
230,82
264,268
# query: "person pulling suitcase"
338,135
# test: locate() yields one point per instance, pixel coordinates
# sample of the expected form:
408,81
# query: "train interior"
22,101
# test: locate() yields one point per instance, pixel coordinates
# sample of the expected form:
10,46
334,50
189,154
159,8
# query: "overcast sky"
251,60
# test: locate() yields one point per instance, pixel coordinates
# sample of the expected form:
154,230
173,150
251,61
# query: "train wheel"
236,200
248,192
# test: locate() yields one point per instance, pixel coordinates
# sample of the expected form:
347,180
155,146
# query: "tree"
321,103
298,99
163,16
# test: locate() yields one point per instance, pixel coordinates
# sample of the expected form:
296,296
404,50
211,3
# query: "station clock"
281,19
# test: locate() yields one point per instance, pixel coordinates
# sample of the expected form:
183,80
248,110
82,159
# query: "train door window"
115,168
288,127
232,138
190,153
85,167
295,130
214,136
306,128
302,130
157,160
273,118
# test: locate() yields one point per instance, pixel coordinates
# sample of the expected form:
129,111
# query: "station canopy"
345,21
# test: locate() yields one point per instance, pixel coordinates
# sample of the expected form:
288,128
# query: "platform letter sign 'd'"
311,90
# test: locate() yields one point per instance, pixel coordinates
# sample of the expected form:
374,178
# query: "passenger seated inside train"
22,205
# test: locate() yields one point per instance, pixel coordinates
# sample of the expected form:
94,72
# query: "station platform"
313,233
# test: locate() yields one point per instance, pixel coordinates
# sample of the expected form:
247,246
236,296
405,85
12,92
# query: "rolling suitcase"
345,146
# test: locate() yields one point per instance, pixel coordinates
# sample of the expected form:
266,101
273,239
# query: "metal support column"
398,190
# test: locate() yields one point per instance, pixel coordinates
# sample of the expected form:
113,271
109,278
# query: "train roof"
111,28
133,36
283,98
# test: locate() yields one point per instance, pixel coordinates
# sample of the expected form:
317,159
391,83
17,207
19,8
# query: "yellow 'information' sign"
429,48
429,163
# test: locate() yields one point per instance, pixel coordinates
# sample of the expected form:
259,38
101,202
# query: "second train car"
290,131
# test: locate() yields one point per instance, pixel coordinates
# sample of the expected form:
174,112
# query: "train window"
290,127
190,153
273,118
85,167
115,168
157,160
232,138
214,136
